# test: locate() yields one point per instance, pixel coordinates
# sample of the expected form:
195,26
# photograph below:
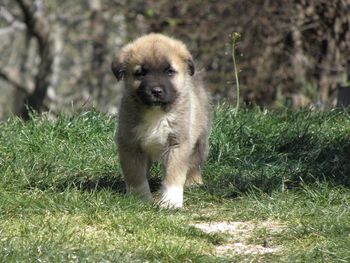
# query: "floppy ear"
118,68
190,65
119,64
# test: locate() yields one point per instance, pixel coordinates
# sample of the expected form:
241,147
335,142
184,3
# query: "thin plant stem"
235,38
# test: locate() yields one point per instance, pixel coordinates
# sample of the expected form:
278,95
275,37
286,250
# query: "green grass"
62,195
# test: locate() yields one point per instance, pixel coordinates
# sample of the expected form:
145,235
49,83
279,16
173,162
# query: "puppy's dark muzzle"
155,95
157,92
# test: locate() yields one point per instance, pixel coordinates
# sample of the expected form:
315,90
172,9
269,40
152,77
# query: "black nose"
157,92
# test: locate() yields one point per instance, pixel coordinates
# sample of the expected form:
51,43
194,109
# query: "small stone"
266,244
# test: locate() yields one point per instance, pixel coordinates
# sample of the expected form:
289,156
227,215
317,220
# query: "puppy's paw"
142,191
171,197
194,179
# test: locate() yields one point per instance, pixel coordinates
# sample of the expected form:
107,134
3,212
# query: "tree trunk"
99,41
38,26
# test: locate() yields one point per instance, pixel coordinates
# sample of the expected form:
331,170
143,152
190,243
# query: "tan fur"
176,134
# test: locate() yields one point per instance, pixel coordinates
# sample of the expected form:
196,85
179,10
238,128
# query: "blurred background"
55,55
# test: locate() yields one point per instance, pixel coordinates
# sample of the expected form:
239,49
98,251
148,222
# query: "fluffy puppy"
163,116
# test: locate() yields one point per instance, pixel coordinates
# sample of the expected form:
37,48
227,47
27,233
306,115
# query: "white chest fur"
153,132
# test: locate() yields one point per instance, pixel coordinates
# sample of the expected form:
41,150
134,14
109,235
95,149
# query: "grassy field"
276,190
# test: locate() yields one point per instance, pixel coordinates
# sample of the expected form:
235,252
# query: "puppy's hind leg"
194,177
198,157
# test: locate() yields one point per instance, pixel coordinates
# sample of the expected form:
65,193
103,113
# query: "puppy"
164,116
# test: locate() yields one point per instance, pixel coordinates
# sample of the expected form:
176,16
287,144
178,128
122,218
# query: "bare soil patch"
239,234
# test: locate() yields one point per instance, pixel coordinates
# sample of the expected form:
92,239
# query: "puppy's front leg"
135,166
175,166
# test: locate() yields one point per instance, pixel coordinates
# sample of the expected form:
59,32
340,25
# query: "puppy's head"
155,69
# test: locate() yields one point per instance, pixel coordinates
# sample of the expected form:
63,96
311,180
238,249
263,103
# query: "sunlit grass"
62,196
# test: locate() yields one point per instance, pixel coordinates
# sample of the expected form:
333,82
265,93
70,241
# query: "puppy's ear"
190,66
118,68
119,64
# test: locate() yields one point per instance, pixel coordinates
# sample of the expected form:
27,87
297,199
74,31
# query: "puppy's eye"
170,72
139,73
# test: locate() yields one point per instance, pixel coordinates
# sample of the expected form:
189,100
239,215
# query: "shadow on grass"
330,162
294,160
106,182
